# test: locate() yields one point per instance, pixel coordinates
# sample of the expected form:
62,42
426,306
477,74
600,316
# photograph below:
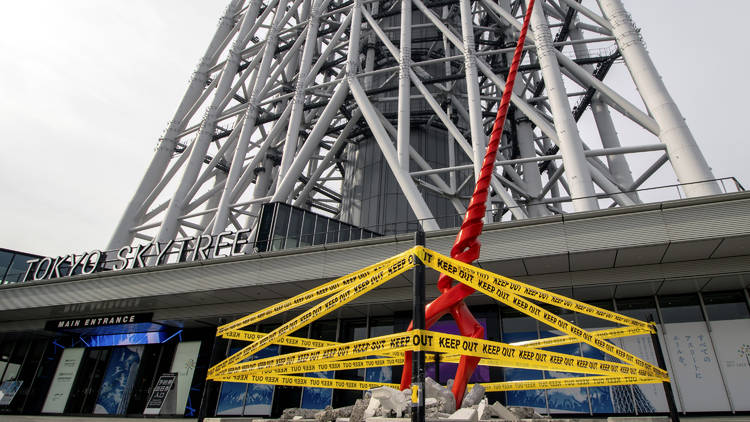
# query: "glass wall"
283,226
13,265
704,338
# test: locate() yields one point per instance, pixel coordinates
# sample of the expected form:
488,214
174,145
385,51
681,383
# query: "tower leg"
571,146
687,160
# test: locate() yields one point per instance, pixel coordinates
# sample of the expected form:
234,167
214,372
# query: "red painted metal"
466,247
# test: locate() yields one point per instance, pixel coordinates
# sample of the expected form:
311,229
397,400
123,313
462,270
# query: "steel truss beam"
291,93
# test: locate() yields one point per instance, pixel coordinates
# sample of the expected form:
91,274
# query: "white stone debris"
465,414
389,399
444,396
501,412
474,396
482,412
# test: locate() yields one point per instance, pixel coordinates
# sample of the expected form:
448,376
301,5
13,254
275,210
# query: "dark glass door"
86,386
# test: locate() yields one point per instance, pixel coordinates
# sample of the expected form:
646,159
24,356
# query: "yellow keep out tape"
566,383
398,265
312,295
380,351
491,282
295,381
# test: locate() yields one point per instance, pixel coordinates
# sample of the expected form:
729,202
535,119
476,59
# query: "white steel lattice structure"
378,111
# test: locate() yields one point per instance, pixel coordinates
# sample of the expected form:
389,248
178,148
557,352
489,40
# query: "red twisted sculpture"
466,247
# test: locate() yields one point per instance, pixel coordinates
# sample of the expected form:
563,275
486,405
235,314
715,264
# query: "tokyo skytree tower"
378,112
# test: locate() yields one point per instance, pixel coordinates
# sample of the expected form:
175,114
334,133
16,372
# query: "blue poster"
118,380
602,397
531,398
259,397
317,398
565,400
252,399
383,374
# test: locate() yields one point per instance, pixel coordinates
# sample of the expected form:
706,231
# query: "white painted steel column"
415,199
687,160
404,88
617,164
169,225
525,136
165,149
298,103
478,138
311,145
571,146
248,125
329,157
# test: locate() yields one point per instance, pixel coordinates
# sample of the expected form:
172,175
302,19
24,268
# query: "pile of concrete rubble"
385,403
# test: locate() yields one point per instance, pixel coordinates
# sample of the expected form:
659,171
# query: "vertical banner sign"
732,341
160,393
695,367
62,382
117,384
184,365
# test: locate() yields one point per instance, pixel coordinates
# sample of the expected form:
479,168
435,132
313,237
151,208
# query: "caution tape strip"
305,343
311,295
295,381
399,264
497,353
566,383
567,339
526,357
492,282
399,342
478,279
337,365
301,342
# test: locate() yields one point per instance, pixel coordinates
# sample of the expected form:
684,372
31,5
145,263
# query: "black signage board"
98,321
159,395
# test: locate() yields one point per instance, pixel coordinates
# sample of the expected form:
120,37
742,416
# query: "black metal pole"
210,395
437,367
417,363
663,365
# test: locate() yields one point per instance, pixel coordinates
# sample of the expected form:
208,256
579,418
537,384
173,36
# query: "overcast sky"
88,86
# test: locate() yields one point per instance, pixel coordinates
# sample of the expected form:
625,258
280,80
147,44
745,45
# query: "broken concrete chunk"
465,414
500,411
446,401
482,412
358,410
390,400
474,396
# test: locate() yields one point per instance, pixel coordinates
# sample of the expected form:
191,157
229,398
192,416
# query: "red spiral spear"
466,247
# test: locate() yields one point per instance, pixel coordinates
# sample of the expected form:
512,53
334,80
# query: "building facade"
98,343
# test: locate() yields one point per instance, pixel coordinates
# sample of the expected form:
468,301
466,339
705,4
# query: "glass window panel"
639,308
324,330
295,228
17,268
586,321
308,229
280,227
16,359
264,228
726,305
321,227
5,258
333,232
680,308
344,231
356,233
